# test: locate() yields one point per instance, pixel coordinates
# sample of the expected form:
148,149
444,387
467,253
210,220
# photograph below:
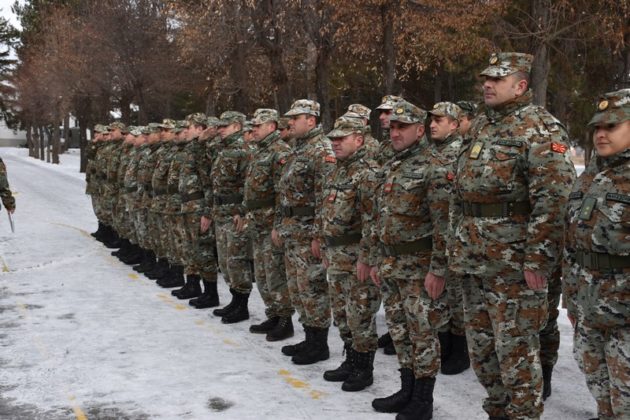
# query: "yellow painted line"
78,413
299,384
83,232
230,342
5,267
134,276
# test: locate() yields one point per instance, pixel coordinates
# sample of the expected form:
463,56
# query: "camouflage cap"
180,125
168,124
407,113
283,123
468,107
358,111
388,101
136,131
198,118
612,108
117,125
303,106
229,117
344,126
505,63
212,122
247,126
446,109
263,115
100,128
152,128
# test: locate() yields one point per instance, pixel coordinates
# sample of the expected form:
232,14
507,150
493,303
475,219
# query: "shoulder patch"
558,147
551,123
330,159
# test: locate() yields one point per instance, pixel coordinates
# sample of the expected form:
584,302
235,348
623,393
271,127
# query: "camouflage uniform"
159,181
386,151
512,182
173,209
596,281
5,193
91,180
109,189
262,201
144,173
370,144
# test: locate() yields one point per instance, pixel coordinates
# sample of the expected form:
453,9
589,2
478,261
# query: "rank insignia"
475,151
603,105
588,205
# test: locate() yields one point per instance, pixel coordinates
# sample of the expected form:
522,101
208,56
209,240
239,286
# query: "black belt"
191,197
260,204
172,189
601,261
159,191
222,200
405,248
298,211
505,209
347,239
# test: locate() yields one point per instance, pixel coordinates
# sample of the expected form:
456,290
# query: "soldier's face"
129,138
345,147
442,127
612,139
154,137
115,134
285,133
261,131
383,117
301,124
498,91
404,135
464,124
226,130
167,135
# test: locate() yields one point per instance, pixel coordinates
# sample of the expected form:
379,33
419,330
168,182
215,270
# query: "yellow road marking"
83,232
299,384
133,276
5,267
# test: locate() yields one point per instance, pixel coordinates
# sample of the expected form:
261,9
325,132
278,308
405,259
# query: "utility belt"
349,238
172,189
192,197
223,200
406,248
601,261
505,209
260,204
297,211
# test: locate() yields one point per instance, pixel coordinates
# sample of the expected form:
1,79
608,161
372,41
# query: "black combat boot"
282,330
389,349
361,376
227,308
191,289
176,279
98,235
316,350
148,262
445,346
122,250
265,326
546,371
158,271
458,360
506,418
293,349
397,401
384,340
240,312
134,256
421,405
209,298
112,239
345,369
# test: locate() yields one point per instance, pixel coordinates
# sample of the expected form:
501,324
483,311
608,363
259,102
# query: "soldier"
346,216
262,200
91,180
5,193
362,113
102,189
111,186
596,281
298,228
512,181
283,128
447,142
469,111
228,176
386,152
409,259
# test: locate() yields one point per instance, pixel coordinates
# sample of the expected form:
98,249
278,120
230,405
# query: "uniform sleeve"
5,192
324,166
550,175
439,191
366,189
280,161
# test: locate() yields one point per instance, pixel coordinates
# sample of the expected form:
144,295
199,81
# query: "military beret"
505,63
446,109
407,113
345,126
303,106
263,115
612,108
230,117
388,101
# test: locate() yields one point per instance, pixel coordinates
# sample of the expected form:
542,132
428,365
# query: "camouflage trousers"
96,206
271,276
190,244
456,305
233,255
206,256
550,335
354,303
140,218
173,230
107,204
503,320
413,318
604,358
154,220
306,279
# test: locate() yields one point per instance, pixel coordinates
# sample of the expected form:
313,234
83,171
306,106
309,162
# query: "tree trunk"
389,51
56,143
125,106
48,135
83,124
42,143
437,87
66,133
322,74
239,75
32,150
542,62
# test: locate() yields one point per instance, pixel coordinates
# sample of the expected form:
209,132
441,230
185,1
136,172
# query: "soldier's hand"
325,262
434,285
205,224
363,271
275,238
11,210
239,223
374,276
315,249
571,319
535,281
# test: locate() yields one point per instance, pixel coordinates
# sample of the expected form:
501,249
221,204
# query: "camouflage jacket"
517,159
347,208
105,171
131,177
385,151
228,177
146,165
5,192
177,159
190,186
302,183
371,146
598,220
210,148
159,179
91,152
261,181
444,158
114,178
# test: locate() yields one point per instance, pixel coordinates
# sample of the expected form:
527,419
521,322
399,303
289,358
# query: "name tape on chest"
621,198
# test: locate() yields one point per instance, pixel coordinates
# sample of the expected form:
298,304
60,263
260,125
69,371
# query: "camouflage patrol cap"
505,63
468,107
230,117
345,126
612,108
446,109
168,124
247,126
358,111
303,106
407,113
198,118
180,125
136,131
388,101
100,128
152,128
212,122
117,125
283,123
263,115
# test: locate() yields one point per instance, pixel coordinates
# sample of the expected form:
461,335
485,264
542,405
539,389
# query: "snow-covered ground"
83,336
